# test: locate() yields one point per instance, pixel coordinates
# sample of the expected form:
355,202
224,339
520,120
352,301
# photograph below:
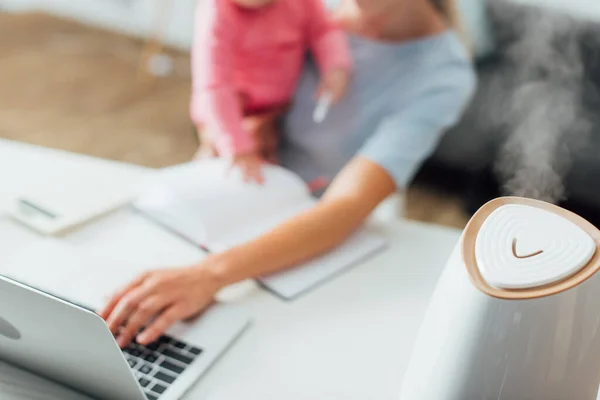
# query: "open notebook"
216,210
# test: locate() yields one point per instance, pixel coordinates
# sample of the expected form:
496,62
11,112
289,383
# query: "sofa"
533,128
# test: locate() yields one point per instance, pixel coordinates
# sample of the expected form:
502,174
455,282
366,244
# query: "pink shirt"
257,54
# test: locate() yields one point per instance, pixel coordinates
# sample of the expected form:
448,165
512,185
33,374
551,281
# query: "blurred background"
111,78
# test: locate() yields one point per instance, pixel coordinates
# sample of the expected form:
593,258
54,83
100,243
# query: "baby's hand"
250,166
335,82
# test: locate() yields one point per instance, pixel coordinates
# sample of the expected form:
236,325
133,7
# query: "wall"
477,24
137,17
584,8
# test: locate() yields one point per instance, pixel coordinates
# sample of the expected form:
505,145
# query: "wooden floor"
72,87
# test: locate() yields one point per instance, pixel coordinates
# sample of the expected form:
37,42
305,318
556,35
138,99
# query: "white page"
265,223
206,204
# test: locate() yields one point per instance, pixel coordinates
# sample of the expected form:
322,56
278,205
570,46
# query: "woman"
412,80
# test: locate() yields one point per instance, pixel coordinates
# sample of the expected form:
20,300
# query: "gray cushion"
534,114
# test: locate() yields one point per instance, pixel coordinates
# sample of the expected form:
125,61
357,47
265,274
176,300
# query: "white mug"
516,312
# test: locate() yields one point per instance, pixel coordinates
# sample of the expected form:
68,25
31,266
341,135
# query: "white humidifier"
516,313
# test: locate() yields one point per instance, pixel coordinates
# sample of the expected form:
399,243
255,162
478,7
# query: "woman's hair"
449,9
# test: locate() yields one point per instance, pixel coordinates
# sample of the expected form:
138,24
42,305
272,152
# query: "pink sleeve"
328,42
215,101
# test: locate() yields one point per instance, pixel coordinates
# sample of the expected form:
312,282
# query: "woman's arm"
167,296
353,195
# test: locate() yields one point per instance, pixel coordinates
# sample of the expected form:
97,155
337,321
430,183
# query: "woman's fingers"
164,321
146,310
156,302
118,296
124,309
110,306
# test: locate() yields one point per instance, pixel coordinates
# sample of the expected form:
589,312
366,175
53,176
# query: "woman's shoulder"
446,46
443,58
458,47
390,76
412,63
422,56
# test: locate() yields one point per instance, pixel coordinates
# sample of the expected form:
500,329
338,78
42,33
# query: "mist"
539,108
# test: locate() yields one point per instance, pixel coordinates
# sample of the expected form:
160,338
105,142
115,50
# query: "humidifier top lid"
521,246
516,248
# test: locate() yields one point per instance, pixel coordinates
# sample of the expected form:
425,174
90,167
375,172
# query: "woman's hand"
158,299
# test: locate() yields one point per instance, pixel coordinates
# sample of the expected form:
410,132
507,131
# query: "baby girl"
247,58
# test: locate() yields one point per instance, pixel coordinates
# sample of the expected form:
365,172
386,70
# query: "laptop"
72,345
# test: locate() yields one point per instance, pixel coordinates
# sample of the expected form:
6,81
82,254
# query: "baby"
247,58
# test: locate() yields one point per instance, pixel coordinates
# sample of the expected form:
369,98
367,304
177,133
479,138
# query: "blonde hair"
449,9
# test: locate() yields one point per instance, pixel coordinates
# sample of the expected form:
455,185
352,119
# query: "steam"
544,115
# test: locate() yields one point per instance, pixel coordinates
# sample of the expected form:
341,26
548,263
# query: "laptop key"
165,339
132,363
133,349
150,396
153,346
172,367
178,344
164,377
158,388
145,369
144,382
177,356
150,357
195,351
135,352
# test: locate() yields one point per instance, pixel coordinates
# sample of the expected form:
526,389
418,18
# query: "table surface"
349,339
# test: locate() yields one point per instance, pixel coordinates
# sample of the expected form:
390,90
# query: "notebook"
215,209
72,193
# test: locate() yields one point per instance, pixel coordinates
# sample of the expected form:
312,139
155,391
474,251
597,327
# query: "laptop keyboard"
158,365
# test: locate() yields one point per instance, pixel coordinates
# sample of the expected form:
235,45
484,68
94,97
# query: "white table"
349,339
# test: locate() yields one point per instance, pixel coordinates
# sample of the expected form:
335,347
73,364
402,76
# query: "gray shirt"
403,97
